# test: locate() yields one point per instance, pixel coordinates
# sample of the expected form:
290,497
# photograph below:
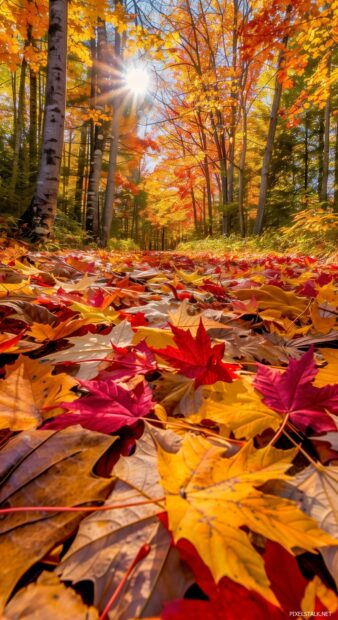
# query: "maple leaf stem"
4,511
280,431
142,553
204,431
299,315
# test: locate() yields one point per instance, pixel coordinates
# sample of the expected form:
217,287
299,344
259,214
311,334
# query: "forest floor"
187,403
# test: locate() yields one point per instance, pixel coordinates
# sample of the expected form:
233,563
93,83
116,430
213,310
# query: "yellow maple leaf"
316,589
271,297
18,288
328,374
286,327
18,410
95,315
323,320
154,337
29,387
181,318
209,498
190,278
327,293
239,407
43,331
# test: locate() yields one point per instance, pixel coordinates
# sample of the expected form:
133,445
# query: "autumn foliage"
168,436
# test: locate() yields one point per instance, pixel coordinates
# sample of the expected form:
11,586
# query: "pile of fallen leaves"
168,436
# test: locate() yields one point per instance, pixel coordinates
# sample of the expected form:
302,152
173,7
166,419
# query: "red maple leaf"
128,363
232,601
197,358
291,392
108,407
227,600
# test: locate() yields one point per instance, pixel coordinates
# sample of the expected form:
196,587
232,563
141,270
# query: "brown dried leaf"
40,468
48,598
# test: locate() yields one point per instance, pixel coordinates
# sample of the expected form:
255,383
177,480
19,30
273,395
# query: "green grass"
314,244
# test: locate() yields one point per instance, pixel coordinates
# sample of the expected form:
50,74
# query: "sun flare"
137,80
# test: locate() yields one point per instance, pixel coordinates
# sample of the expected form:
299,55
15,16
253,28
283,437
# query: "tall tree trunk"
100,84
81,163
326,147
194,209
117,109
19,128
33,125
241,175
306,158
320,149
41,98
209,224
33,117
335,204
258,225
37,221
15,115
234,98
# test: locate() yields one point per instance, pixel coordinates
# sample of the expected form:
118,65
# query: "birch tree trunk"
36,223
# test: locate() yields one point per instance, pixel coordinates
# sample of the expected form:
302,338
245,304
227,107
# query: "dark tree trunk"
81,163
306,157
117,109
258,225
326,153
241,176
19,128
336,172
33,125
100,85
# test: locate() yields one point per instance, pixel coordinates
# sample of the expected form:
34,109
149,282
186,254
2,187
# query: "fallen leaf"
292,393
31,463
182,319
106,545
320,500
88,351
197,358
42,332
107,408
48,598
209,498
238,406
271,297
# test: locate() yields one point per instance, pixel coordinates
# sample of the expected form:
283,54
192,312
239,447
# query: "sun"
137,80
